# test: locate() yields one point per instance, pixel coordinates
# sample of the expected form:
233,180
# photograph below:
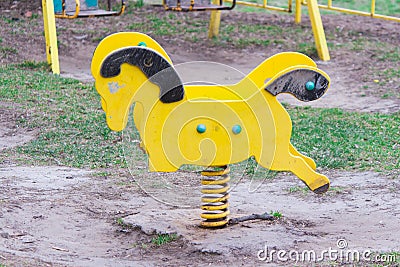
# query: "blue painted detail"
201,128
310,85
92,3
142,44
236,129
57,6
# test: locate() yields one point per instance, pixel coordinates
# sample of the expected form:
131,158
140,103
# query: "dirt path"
68,217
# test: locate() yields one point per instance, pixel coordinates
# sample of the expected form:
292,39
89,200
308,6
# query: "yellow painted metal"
109,45
215,20
315,17
64,14
215,199
316,24
372,8
215,191
216,209
360,13
50,33
168,131
77,12
371,14
212,182
297,17
224,170
215,224
265,5
318,30
211,216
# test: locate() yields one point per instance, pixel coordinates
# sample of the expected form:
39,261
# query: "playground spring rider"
206,125
70,9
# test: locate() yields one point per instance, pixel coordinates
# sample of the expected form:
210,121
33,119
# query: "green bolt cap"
201,128
142,44
310,85
236,129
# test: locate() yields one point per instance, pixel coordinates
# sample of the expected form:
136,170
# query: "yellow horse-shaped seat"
206,125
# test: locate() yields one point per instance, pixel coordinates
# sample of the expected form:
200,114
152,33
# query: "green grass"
240,35
158,25
389,80
385,68
252,170
388,7
347,140
308,49
392,73
138,3
120,222
8,50
386,259
243,34
276,214
333,190
295,189
124,226
72,130
162,239
391,54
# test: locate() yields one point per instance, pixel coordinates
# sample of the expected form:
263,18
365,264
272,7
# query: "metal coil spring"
215,200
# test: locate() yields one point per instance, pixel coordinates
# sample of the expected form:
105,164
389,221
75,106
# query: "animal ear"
155,67
304,83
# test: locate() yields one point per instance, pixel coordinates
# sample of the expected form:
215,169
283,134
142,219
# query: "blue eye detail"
236,129
201,128
310,85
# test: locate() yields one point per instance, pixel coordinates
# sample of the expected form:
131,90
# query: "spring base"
215,199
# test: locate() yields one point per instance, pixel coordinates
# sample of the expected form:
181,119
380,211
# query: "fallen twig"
60,249
264,216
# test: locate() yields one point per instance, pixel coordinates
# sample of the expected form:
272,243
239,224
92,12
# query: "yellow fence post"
50,33
215,19
318,30
297,18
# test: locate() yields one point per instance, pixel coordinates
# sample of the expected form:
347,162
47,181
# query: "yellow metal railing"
265,5
50,35
371,14
315,17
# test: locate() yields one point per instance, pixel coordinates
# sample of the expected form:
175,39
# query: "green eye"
310,85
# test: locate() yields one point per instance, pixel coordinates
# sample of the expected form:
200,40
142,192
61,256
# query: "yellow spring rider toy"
207,125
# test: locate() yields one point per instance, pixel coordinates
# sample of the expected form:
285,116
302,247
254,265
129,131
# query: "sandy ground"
67,217
59,216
